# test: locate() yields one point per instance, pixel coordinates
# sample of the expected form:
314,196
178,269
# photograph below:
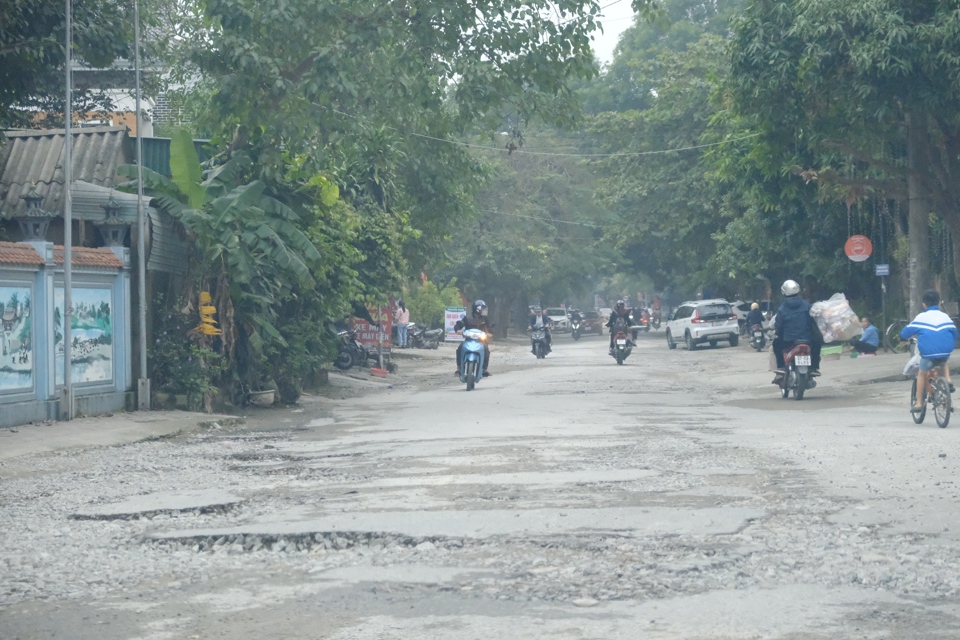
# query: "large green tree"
536,234
859,96
376,95
32,53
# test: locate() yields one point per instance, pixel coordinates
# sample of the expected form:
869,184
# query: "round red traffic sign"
858,248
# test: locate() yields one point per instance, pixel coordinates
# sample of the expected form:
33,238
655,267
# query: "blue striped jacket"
935,331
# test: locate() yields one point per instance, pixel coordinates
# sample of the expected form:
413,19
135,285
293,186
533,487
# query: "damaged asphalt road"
675,496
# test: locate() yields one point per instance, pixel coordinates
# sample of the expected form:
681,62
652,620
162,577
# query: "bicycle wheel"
917,417
941,402
891,337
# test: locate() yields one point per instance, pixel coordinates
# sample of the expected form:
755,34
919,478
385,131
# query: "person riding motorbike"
477,320
620,312
794,324
754,317
575,316
539,318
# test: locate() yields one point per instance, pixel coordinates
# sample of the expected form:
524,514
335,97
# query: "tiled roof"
36,156
87,257
14,253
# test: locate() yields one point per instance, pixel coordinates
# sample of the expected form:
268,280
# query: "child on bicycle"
936,337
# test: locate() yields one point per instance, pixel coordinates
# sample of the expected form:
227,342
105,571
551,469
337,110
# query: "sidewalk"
102,431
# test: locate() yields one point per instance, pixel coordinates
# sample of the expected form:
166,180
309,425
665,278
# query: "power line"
541,219
470,145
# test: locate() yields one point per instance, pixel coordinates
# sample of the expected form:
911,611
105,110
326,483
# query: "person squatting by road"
476,320
869,341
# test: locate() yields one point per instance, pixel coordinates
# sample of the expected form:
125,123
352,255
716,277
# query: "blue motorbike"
471,367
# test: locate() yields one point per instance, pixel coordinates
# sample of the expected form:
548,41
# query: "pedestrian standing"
401,317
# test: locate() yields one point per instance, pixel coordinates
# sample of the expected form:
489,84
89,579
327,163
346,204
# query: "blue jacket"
935,331
871,336
793,320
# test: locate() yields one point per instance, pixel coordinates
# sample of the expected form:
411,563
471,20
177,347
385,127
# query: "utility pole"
918,208
66,392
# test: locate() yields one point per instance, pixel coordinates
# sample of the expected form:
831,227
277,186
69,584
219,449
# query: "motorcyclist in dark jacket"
794,324
754,317
621,311
539,318
476,320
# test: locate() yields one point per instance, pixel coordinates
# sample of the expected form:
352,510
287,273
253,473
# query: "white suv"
561,321
703,321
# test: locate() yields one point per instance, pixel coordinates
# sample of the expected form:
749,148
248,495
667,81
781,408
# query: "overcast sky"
615,18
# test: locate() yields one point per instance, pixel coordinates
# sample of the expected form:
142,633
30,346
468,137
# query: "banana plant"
247,247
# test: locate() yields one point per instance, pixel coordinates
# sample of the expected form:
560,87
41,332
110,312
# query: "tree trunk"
919,208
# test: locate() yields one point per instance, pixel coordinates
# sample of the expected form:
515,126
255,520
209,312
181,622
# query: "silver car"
561,321
702,321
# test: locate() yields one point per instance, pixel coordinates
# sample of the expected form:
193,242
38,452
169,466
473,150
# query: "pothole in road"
153,504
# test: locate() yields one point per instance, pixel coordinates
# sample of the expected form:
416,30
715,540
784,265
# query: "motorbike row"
796,379
352,353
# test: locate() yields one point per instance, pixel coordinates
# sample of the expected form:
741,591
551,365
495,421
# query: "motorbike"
797,364
644,322
757,338
575,331
422,338
351,351
655,319
471,366
622,345
538,342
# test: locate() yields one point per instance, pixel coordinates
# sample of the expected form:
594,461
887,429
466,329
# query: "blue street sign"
883,269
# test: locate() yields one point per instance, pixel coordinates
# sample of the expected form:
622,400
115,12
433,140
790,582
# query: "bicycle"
937,393
891,337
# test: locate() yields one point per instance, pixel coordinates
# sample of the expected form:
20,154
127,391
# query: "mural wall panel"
16,339
91,326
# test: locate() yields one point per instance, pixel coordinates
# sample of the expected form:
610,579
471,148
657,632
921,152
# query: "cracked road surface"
675,496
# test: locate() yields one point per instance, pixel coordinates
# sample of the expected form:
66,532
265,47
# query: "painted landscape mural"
91,326
16,356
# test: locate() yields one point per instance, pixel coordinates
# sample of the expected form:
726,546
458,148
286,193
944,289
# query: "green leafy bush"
177,363
427,302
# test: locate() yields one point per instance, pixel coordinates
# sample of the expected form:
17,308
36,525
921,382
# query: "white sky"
615,18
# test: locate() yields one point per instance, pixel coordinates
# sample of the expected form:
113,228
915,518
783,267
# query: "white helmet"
790,288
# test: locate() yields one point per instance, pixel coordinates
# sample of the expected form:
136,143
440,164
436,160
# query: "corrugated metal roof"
29,157
88,201
167,252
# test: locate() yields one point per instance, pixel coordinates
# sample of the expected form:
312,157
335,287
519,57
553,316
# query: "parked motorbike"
538,342
351,352
622,345
422,338
471,366
575,330
757,339
797,365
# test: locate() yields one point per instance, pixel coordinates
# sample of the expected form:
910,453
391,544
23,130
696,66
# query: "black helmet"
480,308
536,308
